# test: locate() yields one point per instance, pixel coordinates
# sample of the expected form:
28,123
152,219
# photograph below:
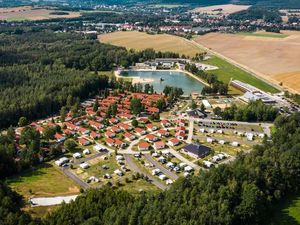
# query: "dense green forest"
40,69
238,193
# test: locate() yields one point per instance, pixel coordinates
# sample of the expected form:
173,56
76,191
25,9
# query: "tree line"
255,111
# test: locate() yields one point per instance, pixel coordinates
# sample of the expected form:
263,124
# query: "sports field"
275,57
30,13
159,42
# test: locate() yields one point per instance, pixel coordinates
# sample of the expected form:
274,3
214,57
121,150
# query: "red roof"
109,141
159,144
143,145
174,140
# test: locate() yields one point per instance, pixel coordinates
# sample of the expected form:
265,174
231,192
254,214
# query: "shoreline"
148,80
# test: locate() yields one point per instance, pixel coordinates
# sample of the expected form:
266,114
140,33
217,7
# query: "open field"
30,13
160,42
227,71
44,181
263,34
274,59
223,9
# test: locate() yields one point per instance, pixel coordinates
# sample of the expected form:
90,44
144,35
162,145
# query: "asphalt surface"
165,171
132,165
86,159
75,178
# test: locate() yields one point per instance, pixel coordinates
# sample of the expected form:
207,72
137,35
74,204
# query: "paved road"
265,126
75,178
167,172
132,165
47,201
86,159
191,131
181,158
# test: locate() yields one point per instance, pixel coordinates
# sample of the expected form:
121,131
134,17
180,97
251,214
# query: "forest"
39,72
242,192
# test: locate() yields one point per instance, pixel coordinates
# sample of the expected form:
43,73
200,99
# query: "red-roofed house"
151,127
94,135
113,120
59,137
165,123
129,136
144,120
95,125
181,129
119,143
124,126
71,126
68,132
152,110
140,131
151,138
159,145
163,133
115,129
110,142
173,142
143,146
83,130
181,122
109,134
40,129
83,141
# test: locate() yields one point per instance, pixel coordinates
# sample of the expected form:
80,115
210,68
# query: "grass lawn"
44,181
136,186
270,35
227,71
286,213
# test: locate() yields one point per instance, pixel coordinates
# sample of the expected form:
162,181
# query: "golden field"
275,57
160,42
31,13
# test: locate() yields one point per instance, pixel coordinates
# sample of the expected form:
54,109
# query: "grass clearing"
286,213
44,181
227,71
135,186
160,42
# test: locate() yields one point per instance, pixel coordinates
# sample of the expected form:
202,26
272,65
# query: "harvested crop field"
276,59
223,9
159,42
30,13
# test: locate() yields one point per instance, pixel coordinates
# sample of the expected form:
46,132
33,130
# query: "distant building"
196,113
197,150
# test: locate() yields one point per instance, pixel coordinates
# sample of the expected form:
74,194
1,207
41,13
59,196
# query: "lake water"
171,78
